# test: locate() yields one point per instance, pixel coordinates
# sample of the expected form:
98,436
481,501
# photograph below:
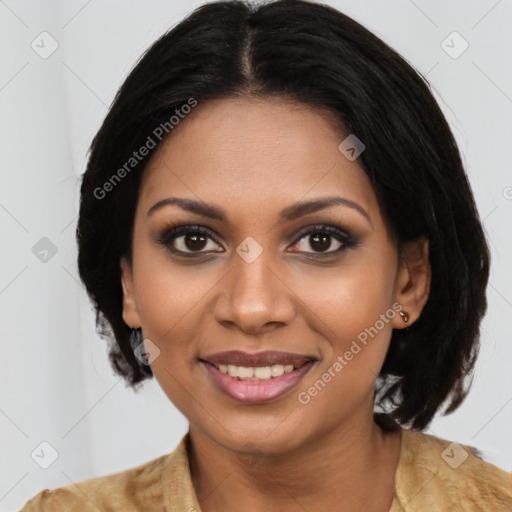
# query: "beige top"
432,476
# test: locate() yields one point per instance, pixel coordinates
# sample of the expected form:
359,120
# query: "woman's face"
267,276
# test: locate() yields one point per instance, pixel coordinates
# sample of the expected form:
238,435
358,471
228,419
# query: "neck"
351,468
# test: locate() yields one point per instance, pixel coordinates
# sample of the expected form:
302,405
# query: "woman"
275,222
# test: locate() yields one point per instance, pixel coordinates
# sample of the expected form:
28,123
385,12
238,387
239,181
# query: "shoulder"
138,488
434,471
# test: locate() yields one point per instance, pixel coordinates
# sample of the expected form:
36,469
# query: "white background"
56,384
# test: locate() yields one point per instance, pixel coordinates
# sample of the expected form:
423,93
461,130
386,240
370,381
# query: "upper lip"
266,358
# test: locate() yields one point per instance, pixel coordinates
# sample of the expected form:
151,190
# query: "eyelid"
172,232
322,226
175,230
343,236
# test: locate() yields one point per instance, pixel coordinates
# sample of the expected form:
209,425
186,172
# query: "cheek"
351,307
169,299
349,298
167,293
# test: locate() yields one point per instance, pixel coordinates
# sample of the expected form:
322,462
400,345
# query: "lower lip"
255,392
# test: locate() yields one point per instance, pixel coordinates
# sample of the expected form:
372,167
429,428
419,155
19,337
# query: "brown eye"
321,242
193,242
322,238
189,240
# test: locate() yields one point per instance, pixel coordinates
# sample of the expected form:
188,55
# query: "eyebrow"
289,213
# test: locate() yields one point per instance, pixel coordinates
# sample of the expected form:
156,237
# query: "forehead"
255,152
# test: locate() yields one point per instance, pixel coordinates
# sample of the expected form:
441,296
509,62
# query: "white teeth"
256,373
245,373
277,370
233,370
263,372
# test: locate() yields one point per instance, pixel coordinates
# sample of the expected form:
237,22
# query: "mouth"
257,378
255,373
259,359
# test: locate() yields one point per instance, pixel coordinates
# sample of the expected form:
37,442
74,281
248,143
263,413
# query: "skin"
252,158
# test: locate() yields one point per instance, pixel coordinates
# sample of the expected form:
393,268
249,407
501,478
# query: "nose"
254,297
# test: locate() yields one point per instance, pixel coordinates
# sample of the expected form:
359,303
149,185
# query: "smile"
257,373
259,383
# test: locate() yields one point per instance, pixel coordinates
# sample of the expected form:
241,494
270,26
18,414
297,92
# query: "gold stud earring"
404,315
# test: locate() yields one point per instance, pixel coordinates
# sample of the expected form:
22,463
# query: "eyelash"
170,233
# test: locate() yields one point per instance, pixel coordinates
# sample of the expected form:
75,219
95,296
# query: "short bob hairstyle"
313,54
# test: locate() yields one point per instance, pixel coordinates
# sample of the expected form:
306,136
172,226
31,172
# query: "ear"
130,311
412,286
